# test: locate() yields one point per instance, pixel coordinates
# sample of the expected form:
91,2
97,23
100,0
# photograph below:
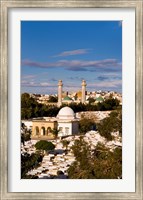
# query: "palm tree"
55,132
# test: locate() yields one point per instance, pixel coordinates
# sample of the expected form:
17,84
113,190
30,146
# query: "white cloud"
30,76
75,65
35,84
73,52
106,84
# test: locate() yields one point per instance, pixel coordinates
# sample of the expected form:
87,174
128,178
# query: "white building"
67,122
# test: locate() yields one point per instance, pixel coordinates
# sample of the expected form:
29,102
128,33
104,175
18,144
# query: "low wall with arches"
43,129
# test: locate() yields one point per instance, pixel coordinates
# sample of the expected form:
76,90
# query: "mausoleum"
66,122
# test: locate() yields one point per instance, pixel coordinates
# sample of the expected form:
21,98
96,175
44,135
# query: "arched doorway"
43,130
49,130
36,132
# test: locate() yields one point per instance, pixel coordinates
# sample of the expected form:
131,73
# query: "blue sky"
71,51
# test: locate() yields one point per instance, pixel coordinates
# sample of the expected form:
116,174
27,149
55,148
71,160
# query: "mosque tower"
83,99
60,85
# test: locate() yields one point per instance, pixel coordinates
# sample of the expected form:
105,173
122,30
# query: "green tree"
55,132
81,168
107,164
44,145
28,105
25,137
77,107
29,162
100,163
86,124
110,124
26,134
52,99
31,108
91,100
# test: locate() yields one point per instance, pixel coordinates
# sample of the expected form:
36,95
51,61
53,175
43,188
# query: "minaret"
60,85
83,91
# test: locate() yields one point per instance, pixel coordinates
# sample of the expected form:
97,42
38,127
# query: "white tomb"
67,122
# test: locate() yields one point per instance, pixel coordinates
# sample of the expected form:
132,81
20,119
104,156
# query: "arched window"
36,132
49,130
42,130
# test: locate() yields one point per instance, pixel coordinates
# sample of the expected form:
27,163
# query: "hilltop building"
99,99
42,128
66,122
80,96
67,99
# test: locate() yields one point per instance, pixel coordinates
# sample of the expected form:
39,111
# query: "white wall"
64,125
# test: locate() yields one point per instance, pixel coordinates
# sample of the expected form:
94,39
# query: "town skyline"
71,51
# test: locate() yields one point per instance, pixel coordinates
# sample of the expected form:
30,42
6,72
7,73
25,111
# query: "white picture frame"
5,106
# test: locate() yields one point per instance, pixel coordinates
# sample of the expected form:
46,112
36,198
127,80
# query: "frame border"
5,5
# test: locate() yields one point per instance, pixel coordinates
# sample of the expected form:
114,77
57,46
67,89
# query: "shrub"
29,162
44,145
86,124
65,143
110,124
